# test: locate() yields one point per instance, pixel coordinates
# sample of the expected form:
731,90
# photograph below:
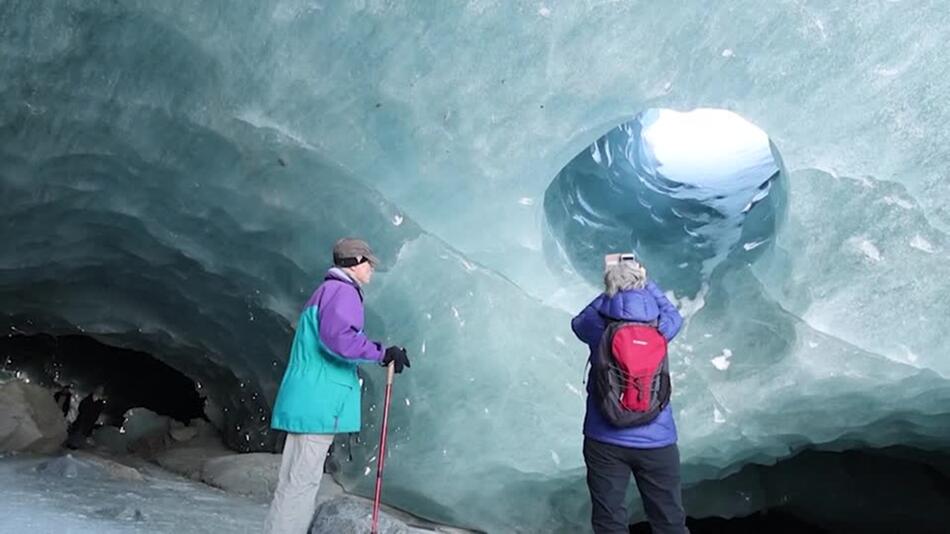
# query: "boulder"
252,474
144,423
87,466
182,433
30,421
353,515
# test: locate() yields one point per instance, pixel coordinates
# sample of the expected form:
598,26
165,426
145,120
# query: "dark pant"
657,472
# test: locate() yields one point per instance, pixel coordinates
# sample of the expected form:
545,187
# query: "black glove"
397,356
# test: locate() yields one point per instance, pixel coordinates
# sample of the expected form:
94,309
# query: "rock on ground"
30,421
253,474
351,515
87,466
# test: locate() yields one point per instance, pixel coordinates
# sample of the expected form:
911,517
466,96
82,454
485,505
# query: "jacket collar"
335,273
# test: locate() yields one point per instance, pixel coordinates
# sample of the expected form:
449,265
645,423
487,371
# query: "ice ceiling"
174,173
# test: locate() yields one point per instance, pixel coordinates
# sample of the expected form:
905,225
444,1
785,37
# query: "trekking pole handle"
390,373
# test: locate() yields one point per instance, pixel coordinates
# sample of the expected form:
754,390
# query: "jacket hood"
335,273
634,305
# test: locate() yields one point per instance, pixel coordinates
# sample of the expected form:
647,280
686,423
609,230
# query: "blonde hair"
624,276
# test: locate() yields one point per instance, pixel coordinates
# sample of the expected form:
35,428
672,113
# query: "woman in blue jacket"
320,394
648,451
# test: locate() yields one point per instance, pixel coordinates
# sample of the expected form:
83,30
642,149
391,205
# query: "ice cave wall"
173,174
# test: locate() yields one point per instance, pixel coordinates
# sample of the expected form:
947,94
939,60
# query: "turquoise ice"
174,173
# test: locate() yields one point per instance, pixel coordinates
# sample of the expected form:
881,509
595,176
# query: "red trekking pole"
382,448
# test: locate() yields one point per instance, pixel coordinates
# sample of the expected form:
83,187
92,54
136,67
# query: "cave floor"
86,497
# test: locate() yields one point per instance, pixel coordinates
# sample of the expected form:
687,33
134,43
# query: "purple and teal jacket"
320,392
637,305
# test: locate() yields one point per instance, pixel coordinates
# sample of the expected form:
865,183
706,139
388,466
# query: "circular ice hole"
686,191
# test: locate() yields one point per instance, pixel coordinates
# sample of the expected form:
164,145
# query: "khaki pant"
295,499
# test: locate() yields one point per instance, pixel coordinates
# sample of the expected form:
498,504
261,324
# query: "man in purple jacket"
648,451
320,394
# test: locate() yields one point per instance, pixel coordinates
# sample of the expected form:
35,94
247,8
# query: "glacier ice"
173,173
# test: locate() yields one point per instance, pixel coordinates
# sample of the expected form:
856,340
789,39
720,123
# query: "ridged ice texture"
173,173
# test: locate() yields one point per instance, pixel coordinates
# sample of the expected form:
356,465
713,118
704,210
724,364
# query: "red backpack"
631,373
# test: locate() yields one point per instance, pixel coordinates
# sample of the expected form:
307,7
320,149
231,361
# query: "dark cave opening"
885,490
769,521
125,378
